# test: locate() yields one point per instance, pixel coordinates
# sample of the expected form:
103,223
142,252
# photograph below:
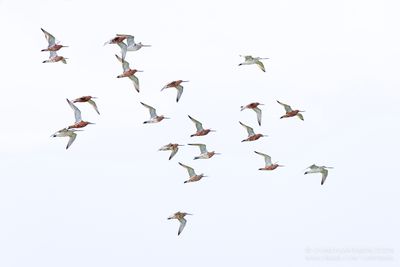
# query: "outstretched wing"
151,110
300,116
173,153
50,38
76,110
260,65
189,169
72,137
91,102
135,81
287,107
324,173
182,225
180,91
267,158
203,147
258,111
124,48
250,130
125,64
199,125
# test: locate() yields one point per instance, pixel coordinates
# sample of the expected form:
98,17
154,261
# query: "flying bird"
66,133
319,169
173,147
199,127
254,106
79,123
180,216
269,166
290,112
177,85
251,135
88,99
154,118
53,58
130,46
249,60
115,40
193,177
204,154
53,44
128,72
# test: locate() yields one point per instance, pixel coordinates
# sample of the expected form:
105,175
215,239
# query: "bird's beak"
185,81
91,123
264,135
146,45
212,130
167,118
139,71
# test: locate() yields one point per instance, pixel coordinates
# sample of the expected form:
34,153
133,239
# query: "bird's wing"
260,65
124,48
324,173
250,130
267,158
300,116
91,102
287,107
135,81
53,54
50,38
189,169
203,147
198,124
180,91
125,64
183,223
151,110
173,152
76,110
248,58
258,111
130,40
72,137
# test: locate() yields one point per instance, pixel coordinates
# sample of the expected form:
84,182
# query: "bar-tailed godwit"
88,99
193,177
249,60
173,147
131,45
269,166
254,106
55,58
180,216
128,72
66,133
177,85
290,112
319,169
199,127
53,44
204,154
251,135
154,118
79,123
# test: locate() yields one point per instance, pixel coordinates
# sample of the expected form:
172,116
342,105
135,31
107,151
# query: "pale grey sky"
105,202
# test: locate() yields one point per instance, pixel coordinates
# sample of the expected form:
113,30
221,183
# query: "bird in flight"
88,99
130,44
173,147
154,118
251,135
53,58
128,72
254,106
269,166
66,133
199,127
193,177
177,85
290,112
79,123
319,169
53,44
204,154
180,216
249,60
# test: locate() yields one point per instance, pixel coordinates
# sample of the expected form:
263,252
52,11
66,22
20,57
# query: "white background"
104,202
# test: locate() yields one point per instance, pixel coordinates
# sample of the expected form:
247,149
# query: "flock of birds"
130,45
